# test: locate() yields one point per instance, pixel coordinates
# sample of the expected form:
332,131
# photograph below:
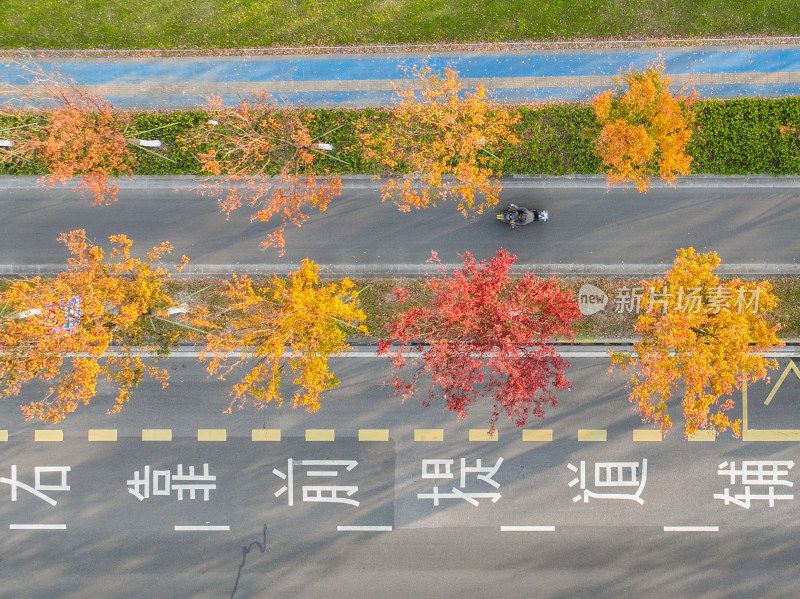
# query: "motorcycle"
518,216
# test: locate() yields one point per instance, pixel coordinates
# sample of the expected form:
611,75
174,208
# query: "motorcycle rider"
517,217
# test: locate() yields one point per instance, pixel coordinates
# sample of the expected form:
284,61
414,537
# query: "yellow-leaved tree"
61,329
444,138
645,128
699,337
294,322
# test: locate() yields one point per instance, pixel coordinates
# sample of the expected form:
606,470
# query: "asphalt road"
598,516
608,534
587,226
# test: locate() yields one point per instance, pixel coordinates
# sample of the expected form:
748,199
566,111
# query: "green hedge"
167,126
741,137
732,137
13,166
554,140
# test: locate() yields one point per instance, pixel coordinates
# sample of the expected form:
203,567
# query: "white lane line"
691,529
37,526
341,528
527,529
200,528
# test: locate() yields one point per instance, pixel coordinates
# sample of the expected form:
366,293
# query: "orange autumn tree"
258,155
444,138
61,329
645,129
80,135
700,337
294,322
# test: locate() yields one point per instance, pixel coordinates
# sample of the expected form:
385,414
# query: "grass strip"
381,306
168,24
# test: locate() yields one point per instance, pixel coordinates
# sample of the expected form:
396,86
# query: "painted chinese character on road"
315,469
763,475
442,470
610,475
38,484
163,482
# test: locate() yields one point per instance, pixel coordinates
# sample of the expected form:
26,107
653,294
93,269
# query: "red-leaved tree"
485,333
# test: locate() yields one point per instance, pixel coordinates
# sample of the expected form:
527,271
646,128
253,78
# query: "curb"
359,349
193,270
600,45
176,182
682,182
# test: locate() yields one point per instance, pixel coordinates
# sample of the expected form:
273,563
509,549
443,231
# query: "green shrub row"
732,137
747,136
170,159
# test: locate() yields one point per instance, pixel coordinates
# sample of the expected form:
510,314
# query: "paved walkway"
361,80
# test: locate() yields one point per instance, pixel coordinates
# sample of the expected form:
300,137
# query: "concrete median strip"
586,348
192,270
510,181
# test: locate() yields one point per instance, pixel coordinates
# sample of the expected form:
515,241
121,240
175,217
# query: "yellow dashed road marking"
646,434
320,434
382,434
537,435
591,434
703,436
373,434
102,434
212,434
156,434
48,435
266,434
428,434
482,434
771,435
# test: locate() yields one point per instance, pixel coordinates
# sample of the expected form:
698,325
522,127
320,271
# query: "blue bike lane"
362,80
